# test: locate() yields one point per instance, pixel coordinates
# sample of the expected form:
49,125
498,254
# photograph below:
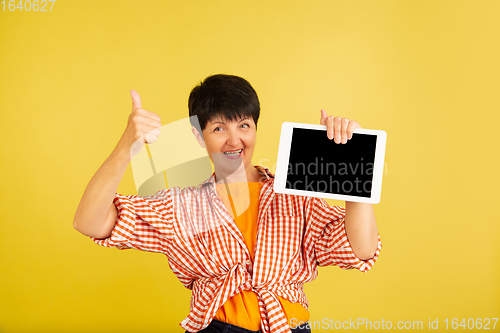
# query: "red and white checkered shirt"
207,252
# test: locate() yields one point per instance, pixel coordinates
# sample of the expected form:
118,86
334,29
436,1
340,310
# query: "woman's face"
230,144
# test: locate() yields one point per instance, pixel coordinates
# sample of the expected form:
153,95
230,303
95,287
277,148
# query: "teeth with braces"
235,153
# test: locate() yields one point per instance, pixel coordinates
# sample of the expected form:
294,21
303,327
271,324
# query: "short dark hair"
227,96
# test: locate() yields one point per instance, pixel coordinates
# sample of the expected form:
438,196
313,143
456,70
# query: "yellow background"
426,72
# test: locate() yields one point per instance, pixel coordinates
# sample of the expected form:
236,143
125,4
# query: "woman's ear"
198,137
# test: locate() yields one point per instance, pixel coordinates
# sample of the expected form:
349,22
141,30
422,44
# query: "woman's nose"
233,139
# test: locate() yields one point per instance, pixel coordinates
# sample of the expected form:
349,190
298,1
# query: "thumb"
324,115
136,100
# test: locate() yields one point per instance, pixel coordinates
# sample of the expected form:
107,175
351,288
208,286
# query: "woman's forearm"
361,229
96,213
91,217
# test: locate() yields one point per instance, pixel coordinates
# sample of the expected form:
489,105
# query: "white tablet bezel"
284,154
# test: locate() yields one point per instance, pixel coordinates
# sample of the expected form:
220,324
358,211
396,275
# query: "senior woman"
244,250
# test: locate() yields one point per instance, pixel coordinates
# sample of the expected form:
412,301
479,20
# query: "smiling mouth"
233,153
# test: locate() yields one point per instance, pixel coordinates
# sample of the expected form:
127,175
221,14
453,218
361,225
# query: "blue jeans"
217,326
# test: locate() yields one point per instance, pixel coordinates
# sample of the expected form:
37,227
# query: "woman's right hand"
143,127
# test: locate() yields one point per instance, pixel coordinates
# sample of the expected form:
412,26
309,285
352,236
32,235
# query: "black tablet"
310,164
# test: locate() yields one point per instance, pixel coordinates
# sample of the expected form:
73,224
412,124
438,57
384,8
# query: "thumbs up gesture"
143,127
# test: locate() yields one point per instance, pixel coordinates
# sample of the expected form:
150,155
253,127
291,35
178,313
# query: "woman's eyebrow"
219,121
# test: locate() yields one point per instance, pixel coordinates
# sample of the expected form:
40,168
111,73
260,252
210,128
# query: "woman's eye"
217,129
245,125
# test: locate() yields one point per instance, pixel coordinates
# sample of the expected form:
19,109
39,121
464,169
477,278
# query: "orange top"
243,308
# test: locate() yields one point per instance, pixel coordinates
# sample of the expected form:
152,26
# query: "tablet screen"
318,164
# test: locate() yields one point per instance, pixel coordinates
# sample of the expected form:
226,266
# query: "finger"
149,124
329,127
345,124
156,132
324,115
149,138
350,129
337,123
147,116
136,100
151,115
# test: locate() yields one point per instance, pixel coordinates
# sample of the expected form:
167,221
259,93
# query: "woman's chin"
221,162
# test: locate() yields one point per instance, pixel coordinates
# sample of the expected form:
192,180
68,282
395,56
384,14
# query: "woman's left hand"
339,128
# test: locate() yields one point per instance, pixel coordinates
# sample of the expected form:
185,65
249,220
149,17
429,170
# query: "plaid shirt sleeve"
331,246
143,223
